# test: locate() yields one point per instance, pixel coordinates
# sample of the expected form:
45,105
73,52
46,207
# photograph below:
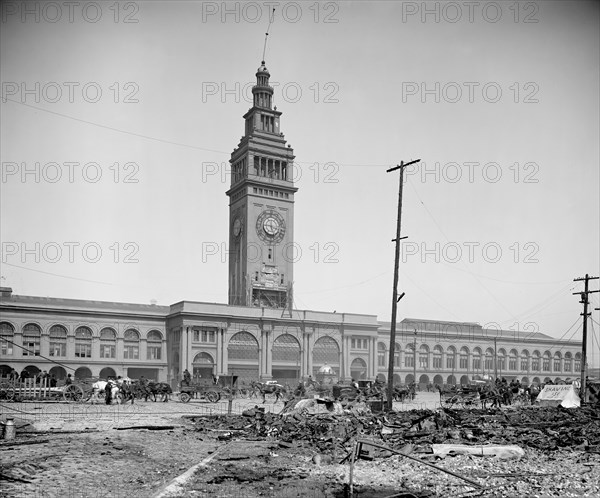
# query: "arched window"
286,348
243,346
58,341
437,357
577,366
535,361
358,369
326,350
476,360
557,362
501,358
203,365
464,358
423,356
7,337
489,360
512,359
108,343
397,350
409,356
154,345
546,361
524,360
568,362
451,358
381,354
83,342
131,345
31,339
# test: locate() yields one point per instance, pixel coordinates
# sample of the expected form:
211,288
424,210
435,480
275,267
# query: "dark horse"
265,389
151,389
493,394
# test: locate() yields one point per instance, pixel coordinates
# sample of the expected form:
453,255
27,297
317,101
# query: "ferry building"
258,335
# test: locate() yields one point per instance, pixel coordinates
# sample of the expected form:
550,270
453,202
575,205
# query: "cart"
30,390
207,389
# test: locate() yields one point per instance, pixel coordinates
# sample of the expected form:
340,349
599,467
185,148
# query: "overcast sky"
500,101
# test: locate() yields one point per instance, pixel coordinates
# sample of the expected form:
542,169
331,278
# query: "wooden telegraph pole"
395,297
585,301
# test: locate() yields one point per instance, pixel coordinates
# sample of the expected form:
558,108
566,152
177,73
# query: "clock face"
237,227
270,226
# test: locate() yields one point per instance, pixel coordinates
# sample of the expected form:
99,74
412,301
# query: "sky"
118,120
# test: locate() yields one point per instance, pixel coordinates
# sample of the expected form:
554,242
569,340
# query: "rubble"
334,432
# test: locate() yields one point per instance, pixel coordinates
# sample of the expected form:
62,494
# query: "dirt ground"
116,460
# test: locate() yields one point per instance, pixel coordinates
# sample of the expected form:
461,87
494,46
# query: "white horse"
100,387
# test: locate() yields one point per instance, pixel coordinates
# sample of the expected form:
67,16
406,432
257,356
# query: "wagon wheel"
212,396
73,392
7,391
184,397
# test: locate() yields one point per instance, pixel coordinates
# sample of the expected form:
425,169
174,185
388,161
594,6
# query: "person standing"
186,377
108,391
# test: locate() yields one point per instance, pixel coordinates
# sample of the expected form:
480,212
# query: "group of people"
44,377
113,386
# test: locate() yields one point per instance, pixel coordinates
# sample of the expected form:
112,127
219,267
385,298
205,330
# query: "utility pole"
585,314
395,297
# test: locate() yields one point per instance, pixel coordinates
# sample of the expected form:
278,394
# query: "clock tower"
261,207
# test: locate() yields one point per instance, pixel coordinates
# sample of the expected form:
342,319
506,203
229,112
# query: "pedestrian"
52,381
68,380
24,375
108,391
186,377
14,375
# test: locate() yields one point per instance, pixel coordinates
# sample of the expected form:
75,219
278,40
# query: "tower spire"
271,17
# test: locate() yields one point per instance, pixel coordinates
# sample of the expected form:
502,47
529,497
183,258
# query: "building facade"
258,335
84,338
101,339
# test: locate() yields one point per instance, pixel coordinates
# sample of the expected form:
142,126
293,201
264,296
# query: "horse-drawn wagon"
34,389
210,389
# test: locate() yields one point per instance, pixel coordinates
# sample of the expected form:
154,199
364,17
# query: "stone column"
224,353
45,346
71,346
218,359
269,352
346,353
310,344
373,358
143,349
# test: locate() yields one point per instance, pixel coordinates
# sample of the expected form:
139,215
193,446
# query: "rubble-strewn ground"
295,456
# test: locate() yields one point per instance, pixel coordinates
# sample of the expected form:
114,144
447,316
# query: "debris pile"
332,432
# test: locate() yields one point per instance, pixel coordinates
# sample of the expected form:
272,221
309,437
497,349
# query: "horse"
154,388
401,393
490,393
120,392
264,389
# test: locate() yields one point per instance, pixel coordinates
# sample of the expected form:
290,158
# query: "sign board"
564,395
